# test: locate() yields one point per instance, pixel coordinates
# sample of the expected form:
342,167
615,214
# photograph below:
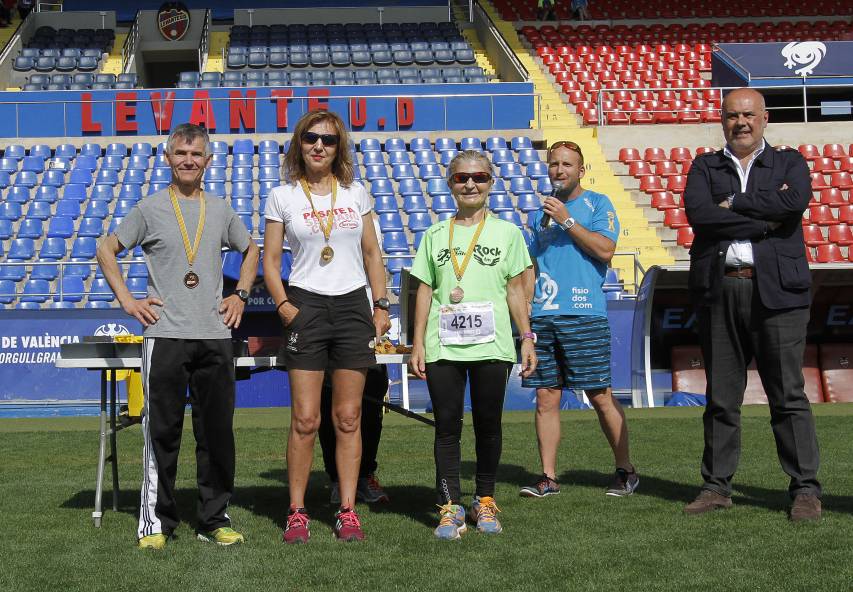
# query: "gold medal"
191,279
457,293
326,225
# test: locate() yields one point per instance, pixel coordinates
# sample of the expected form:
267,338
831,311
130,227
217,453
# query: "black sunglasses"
461,178
327,139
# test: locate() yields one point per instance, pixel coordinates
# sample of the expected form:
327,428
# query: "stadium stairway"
218,42
558,123
112,65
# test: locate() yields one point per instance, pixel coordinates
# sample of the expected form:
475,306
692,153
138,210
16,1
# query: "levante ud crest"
173,20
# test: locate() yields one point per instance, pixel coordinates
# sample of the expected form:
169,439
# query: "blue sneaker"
484,512
451,522
544,487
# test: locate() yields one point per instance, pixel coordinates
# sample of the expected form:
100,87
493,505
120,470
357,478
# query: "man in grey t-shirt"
187,336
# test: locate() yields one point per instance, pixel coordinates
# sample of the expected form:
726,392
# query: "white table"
108,367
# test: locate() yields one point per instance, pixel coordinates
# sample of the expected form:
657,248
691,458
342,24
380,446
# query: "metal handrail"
204,43
14,38
602,119
129,47
500,38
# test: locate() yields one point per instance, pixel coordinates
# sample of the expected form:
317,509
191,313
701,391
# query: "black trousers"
375,387
733,330
446,383
169,368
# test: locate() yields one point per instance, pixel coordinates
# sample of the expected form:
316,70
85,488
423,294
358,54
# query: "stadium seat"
70,289
90,227
30,228
35,291
62,226
99,291
419,221
8,291
390,222
394,242
53,248
39,209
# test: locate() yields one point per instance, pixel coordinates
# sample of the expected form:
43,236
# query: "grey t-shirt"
186,313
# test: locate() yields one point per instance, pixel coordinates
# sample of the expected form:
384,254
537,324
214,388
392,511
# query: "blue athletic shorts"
573,352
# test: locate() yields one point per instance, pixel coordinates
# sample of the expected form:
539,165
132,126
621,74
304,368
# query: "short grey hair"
189,132
472,155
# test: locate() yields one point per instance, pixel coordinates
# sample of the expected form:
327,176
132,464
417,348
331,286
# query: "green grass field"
579,540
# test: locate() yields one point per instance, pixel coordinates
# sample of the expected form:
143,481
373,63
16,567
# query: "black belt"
746,273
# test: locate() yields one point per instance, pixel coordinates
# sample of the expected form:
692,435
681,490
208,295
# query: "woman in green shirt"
470,268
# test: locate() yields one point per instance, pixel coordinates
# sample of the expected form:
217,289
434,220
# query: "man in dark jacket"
750,278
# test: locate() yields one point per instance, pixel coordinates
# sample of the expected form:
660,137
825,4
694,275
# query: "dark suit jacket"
781,268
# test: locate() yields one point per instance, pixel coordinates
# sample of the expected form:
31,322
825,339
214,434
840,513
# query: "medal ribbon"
460,271
326,227
191,251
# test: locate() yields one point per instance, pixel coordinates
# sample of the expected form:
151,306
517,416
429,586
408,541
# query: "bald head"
744,120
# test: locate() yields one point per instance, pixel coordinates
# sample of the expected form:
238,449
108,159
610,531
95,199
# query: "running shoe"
370,491
624,483
224,536
153,541
296,530
451,523
484,513
543,487
335,495
348,526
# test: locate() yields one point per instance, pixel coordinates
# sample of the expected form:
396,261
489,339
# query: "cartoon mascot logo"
805,53
173,20
111,330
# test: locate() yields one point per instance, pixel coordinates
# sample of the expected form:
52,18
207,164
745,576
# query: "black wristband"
281,303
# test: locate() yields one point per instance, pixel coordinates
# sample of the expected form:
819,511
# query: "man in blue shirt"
573,240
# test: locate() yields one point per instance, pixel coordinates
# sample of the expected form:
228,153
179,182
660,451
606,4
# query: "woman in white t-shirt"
325,216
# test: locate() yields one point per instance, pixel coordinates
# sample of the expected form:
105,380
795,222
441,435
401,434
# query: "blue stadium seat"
42,151
438,187
15,151
425,157
137,270
5,231
409,186
48,193
139,161
134,177
84,247
443,204
137,286
529,202
471,143
500,202
380,187
103,193
211,175
107,177
402,171
97,209
519,185
8,291
35,291
5,180
116,149
499,186
21,249
385,204
521,142
370,145
419,221
242,206
219,147
511,216
242,160
243,146
242,189
123,207
502,156
528,155
53,248
46,270
80,176
141,149
416,239
100,291
30,228
395,264
414,204
164,175
217,189
39,209
90,227
269,173
396,157
241,173
395,145
420,143
90,149
26,179
442,144
391,222
8,165
429,171
155,187
70,289
395,242
130,191
510,170
537,170
62,226
63,304
10,210
115,222
268,146
28,306
97,304
372,157
375,171
264,188
495,143
86,162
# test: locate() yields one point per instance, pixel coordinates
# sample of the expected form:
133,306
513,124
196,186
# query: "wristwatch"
242,295
529,335
567,225
382,304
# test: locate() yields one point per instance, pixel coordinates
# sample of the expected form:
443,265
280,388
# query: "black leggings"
446,382
375,387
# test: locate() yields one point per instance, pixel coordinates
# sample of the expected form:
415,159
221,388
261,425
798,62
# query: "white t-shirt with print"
345,272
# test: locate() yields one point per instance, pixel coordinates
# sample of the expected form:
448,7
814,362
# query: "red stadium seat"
676,183
664,200
841,180
654,154
651,184
627,155
823,164
832,197
704,150
845,163
809,151
821,215
829,253
835,151
819,182
680,154
684,237
666,168
841,235
812,235
845,214
675,218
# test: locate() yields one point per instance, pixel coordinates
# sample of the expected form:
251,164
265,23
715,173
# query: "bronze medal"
456,295
327,254
191,279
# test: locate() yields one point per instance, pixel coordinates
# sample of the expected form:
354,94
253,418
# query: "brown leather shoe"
806,507
707,501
